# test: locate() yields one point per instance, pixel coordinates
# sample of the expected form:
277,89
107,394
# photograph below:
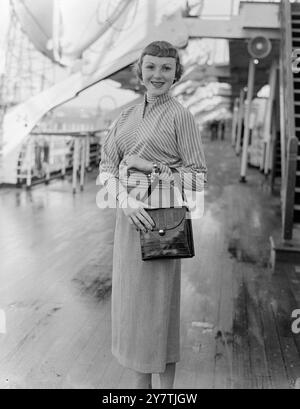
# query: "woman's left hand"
134,161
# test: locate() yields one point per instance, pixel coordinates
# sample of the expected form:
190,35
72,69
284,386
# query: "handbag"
172,235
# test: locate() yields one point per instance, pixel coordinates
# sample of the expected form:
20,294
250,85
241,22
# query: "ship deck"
56,266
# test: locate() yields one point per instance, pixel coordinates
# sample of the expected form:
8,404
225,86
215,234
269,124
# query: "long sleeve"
192,172
109,165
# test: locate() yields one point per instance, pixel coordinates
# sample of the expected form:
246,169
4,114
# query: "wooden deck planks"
241,346
224,331
261,377
283,303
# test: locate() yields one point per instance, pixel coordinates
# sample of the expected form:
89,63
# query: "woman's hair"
160,49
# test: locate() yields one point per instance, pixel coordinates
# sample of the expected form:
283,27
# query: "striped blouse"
165,133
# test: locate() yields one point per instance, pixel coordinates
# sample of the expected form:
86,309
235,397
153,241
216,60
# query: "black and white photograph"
149,197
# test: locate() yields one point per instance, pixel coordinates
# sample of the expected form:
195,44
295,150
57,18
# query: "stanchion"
75,164
240,122
82,162
234,121
267,130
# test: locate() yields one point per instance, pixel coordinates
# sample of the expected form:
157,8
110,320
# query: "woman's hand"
134,161
136,214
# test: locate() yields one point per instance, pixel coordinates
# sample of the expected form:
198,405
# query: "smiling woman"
158,138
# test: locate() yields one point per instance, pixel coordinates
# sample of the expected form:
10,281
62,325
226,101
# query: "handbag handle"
154,183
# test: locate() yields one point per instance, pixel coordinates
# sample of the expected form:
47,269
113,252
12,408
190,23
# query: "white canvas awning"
117,47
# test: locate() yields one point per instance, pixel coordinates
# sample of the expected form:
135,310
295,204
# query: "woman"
158,134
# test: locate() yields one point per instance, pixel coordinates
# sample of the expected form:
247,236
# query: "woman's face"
158,74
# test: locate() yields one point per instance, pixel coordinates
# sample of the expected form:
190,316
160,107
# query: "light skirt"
145,304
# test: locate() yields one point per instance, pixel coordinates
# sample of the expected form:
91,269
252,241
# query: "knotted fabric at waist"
163,192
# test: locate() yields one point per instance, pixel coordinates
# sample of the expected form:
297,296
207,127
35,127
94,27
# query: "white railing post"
82,162
75,163
29,157
251,77
63,165
282,119
268,119
234,122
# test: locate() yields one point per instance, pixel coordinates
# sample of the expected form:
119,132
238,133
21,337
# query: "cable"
100,23
107,16
85,29
111,42
105,26
128,25
162,8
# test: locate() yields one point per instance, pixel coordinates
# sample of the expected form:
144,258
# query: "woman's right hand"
135,211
